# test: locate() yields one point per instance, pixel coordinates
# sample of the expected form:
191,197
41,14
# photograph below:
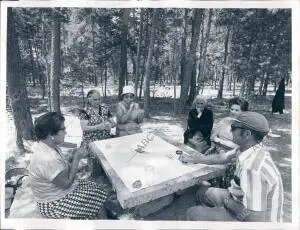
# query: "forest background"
55,55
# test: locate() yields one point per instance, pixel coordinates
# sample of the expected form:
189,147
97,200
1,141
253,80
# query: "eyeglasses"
62,129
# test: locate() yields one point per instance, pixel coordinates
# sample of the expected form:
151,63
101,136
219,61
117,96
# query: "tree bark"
202,62
191,59
123,58
17,86
183,45
93,45
193,89
221,84
33,71
148,64
265,87
137,72
55,63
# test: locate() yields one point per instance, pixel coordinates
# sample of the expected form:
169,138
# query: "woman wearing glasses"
52,177
129,115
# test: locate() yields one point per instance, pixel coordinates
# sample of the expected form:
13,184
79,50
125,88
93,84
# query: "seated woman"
129,115
222,144
96,122
221,133
200,123
52,177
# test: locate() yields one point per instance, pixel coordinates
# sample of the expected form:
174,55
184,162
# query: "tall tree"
55,62
148,64
221,83
191,59
202,62
183,44
17,86
123,58
137,73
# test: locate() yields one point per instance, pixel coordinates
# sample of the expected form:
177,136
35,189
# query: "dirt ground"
278,141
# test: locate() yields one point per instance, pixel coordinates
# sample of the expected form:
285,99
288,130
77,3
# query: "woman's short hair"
91,92
239,101
48,124
198,97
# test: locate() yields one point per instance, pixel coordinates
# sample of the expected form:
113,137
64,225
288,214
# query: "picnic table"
147,174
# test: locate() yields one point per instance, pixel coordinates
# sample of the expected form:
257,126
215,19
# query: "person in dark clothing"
278,100
200,123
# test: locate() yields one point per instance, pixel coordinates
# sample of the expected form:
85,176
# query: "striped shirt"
260,185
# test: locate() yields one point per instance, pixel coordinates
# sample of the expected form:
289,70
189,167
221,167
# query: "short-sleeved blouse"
45,164
95,118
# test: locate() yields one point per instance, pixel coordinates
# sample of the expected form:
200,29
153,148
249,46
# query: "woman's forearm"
73,169
92,128
123,117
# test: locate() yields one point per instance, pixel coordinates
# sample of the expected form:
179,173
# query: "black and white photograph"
146,114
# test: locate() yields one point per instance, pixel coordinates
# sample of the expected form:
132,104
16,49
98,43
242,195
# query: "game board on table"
143,167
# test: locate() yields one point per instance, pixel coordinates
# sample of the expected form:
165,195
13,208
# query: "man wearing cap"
256,192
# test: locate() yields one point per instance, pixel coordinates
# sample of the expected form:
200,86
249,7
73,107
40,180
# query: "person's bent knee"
200,194
192,213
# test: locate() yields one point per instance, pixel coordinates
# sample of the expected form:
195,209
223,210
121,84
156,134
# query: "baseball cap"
253,121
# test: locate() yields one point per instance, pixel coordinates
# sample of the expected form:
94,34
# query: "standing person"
96,122
199,125
129,115
52,177
278,100
256,192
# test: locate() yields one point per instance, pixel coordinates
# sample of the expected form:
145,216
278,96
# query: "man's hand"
210,150
192,157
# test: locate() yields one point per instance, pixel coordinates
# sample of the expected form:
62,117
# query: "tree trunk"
202,62
33,71
146,42
261,84
183,44
93,45
191,59
265,87
55,63
123,58
105,57
137,73
242,89
234,84
45,61
133,66
221,84
148,64
192,92
17,86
